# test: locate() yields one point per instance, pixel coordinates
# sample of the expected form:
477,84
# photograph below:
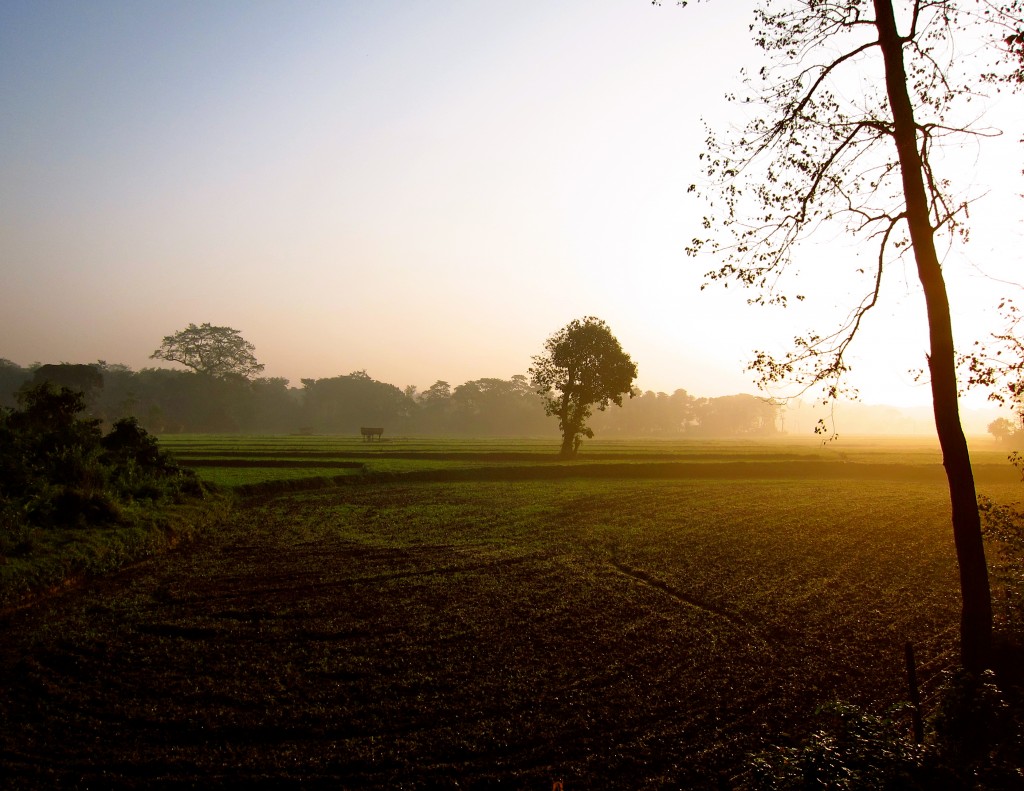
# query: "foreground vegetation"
469,614
76,501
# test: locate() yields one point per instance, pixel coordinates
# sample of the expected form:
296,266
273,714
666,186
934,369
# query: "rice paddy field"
472,614
233,460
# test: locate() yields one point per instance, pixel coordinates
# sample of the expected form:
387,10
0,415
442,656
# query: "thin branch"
783,122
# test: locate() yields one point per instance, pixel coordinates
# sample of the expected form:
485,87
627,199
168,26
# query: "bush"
58,470
974,741
977,735
850,749
139,470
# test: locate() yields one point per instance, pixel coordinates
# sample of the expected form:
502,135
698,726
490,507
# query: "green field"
232,460
465,614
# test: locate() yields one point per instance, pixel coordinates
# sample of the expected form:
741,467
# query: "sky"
422,190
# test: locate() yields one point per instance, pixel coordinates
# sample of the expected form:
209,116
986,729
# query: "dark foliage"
583,366
974,742
57,469
167,402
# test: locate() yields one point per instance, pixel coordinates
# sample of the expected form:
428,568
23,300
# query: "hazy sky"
422,190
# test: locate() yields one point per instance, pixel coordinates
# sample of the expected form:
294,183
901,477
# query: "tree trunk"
567,424
976,612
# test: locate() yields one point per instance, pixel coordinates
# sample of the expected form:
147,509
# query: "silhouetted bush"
850,749
977,735
974,741
57,469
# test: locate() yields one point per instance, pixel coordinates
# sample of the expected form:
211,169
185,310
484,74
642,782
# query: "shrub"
57,469
850,749
974,741
139,470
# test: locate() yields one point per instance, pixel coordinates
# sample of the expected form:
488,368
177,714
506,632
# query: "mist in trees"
166,401
341,404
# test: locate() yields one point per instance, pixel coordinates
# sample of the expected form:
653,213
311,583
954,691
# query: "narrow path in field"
664,587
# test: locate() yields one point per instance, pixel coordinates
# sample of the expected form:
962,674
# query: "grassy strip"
234,477
285,485
249,461
537,450
737,471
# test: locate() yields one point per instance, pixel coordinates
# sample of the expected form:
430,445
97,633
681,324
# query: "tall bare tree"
856,99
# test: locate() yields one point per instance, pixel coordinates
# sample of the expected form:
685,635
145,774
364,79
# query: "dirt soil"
265,658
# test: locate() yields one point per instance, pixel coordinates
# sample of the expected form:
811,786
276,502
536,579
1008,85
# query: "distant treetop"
219,352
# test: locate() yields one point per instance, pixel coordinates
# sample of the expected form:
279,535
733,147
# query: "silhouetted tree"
219,352
497,407
86,379
585,365
12,377
1002,429
119,397
735,415
661,414
275,407
647,414
435,408
186,401
826,146
343,404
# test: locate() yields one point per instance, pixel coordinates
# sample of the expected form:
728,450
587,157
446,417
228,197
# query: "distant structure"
370,433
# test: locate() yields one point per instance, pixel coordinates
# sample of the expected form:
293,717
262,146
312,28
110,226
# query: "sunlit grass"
888,450
269,458
239,476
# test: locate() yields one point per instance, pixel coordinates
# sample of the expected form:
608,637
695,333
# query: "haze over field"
422,191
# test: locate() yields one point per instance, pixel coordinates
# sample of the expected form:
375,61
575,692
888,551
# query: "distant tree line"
170,401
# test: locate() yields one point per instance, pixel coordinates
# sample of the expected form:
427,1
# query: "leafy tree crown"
586,365
584,360
220,352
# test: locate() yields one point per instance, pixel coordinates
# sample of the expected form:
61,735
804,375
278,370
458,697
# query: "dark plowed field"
423,636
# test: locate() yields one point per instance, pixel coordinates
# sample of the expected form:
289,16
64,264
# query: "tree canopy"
219,352
84,378
345,403
585,365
